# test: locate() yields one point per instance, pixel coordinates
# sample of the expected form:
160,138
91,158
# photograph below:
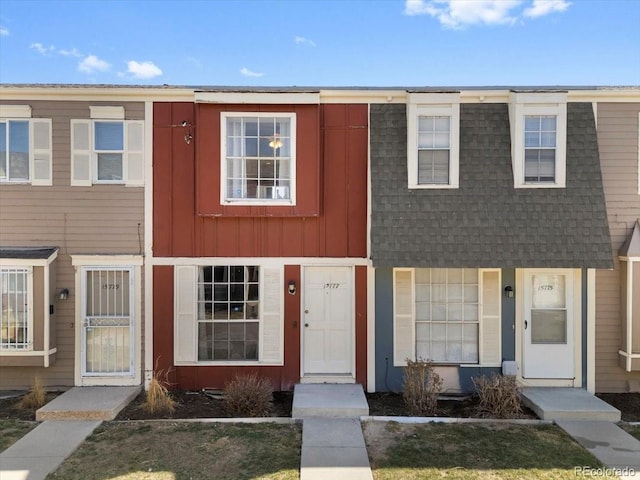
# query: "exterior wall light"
508,290
64,294
292,287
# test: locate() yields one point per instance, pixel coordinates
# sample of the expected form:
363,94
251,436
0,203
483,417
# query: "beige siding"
618,143
102,219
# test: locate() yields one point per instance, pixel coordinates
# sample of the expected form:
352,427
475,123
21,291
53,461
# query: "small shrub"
421,387
158,398
248,395
499,396
35,398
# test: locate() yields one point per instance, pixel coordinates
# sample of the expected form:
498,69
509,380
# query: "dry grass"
421,388
158,398
248,395
36,397
499,396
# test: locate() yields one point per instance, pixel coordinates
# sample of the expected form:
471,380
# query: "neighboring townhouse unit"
72,164
260,238
618,290
488,222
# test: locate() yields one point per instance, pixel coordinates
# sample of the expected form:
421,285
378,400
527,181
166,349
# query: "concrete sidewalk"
608,443
69,420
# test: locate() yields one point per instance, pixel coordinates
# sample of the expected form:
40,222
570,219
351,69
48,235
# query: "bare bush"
36,397
248,395
158,398
422,386
499,396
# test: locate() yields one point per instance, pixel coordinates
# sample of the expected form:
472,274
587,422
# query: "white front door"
107,340
328,321
548,340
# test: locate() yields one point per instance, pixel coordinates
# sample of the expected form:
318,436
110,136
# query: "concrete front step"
575,404
329,400
88,403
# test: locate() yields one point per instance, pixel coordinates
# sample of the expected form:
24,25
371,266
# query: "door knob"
306,324
526,324
306,311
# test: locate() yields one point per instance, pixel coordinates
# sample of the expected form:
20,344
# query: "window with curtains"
258,158
14,309
228,312
540,148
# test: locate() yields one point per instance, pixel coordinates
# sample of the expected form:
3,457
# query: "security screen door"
108,321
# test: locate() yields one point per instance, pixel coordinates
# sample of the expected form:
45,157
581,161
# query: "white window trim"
19,114
261,361
433,104
482,360
523,105
94,152
6,351
223,163
638,153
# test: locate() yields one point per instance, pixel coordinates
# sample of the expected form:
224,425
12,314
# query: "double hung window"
258,158
228,312
433,132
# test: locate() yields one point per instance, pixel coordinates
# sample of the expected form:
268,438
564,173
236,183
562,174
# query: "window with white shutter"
25,147
447,315
107,149
229,314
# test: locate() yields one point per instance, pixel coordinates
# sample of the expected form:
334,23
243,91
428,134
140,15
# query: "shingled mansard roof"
487,222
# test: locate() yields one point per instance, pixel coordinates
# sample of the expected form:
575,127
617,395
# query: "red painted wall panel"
186,177
163,320
361,326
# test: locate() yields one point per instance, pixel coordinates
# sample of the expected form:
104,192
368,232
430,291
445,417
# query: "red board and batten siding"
329,220
282,377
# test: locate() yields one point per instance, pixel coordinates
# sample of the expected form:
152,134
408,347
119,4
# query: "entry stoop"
329,400
551,403
88,403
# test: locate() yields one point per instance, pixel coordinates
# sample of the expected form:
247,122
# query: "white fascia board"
433,98
263,98
15,111
363,96
124,94
537,98
28,262
106,260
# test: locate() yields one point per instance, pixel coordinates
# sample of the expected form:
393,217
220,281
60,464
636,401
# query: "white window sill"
434,186
228,363
539,185
259,203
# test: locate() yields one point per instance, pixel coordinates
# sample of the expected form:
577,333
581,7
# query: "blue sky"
321,42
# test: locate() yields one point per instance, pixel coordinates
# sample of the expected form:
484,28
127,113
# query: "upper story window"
107,149
538,139
433,126
258,158
25,146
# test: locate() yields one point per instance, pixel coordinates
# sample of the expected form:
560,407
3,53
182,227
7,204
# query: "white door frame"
81,262
313,378
576,319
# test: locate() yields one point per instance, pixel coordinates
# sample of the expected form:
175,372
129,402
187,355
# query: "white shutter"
134,146
41,152
272,316
184,348
81,153
403,317
490,318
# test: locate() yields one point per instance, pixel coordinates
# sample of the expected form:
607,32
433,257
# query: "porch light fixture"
292,287
187,132
64,294
508,290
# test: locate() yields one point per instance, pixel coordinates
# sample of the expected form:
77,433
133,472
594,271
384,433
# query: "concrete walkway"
333,445
69,420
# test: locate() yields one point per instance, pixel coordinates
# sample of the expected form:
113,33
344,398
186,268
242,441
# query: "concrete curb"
419,420
277,420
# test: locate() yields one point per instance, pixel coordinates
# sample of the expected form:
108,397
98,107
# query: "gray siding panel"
486,222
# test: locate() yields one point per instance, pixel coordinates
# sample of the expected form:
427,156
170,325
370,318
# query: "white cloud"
4,31
143,70
461,13
248,73
70,53
40,48
302,40
194,62
545,7
92,64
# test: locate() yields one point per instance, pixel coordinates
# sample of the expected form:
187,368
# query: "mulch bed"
10,408
627,403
